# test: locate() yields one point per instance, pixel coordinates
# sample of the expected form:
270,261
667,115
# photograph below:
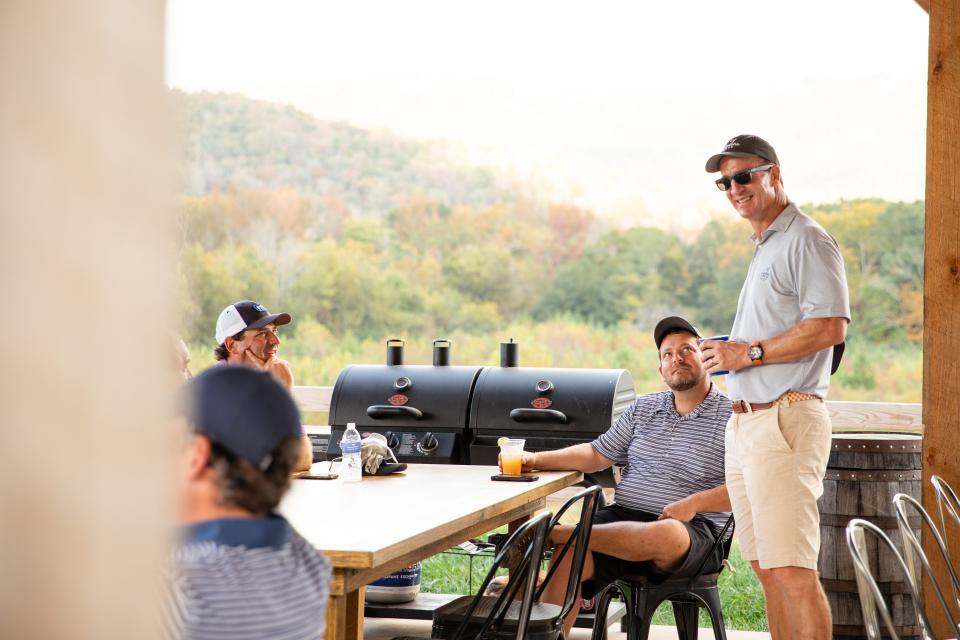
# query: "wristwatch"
755,353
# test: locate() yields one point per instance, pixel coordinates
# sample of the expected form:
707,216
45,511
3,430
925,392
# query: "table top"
367,524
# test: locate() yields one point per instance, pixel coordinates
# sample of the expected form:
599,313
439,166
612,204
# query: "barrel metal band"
850,586
887,523
857,631
873,475
913,445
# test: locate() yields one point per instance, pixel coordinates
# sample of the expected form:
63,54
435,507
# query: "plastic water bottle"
351,469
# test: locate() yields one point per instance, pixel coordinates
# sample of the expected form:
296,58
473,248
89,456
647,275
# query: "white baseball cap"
246,314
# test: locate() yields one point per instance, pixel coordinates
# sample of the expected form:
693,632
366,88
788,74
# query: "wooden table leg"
345,616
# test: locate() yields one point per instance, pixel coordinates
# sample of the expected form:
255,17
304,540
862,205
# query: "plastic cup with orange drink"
511,455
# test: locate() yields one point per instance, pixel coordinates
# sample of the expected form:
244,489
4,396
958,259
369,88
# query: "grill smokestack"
441,352
509,354
394,352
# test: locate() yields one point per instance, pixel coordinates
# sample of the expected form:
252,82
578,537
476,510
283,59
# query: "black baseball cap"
670,325
743,146
244,315
244,410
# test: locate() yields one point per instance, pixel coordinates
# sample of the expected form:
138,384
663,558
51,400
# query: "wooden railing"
846,416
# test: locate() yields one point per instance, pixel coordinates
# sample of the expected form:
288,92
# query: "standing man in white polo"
792,315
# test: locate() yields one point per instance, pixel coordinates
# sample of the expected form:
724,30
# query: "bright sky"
617,104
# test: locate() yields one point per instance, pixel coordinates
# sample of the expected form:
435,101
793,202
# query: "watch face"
755,353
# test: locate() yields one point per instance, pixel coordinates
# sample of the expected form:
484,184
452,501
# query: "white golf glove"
373,451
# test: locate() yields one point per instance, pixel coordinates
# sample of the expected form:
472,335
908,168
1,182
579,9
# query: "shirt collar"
667,405
781,223
270,531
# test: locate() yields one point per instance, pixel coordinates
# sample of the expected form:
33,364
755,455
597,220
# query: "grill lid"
405,396
568,402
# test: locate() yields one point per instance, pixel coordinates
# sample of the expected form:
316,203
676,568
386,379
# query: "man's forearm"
305,461
803,339
715,500
580,457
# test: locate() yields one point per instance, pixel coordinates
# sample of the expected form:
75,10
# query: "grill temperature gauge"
402,383
544,387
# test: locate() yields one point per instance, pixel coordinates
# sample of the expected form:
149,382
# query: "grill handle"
377,411
538,415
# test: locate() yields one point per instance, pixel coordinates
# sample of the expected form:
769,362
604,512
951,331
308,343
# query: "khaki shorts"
775,462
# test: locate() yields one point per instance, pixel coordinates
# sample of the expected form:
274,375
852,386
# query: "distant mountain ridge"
236,142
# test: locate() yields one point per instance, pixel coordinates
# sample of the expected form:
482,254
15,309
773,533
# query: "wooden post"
86,448
941,322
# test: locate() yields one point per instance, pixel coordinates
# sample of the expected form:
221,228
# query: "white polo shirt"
796,273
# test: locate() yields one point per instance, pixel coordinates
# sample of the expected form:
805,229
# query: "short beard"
684,384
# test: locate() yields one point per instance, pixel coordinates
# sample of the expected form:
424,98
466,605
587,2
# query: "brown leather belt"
742,406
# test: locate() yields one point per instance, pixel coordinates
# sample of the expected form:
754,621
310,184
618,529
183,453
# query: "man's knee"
765,576
795,581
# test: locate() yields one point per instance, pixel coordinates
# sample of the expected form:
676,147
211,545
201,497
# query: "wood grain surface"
371,528
846,416
941,288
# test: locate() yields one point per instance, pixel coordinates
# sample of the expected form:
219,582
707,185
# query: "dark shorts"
607,568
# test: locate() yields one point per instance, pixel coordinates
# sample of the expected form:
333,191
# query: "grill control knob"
393,440
402,383
429,443
544,387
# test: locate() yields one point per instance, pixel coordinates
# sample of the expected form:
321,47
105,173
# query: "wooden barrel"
864,472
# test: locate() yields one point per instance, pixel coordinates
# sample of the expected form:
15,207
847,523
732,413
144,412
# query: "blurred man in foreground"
247,335
240,570
671,497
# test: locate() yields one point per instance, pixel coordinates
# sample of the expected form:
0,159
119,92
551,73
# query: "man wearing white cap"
247,335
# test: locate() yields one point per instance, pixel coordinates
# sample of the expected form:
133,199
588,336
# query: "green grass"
740,592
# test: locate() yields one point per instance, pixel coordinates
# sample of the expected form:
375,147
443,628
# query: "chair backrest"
947,504
589,500
916,560
871,599
522,551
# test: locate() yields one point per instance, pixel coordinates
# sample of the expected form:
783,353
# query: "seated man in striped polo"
240,570
670,503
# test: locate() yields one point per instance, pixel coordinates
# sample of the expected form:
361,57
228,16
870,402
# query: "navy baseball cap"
244,410
743,146
670,325
244,315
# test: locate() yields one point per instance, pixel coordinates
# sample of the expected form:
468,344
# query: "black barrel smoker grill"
454,414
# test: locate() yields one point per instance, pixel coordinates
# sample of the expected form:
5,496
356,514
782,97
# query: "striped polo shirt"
666,456
239,578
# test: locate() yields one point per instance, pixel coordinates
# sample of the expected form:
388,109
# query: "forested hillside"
363,236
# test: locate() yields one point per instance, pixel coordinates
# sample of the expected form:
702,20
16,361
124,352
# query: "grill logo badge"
398,399
541,403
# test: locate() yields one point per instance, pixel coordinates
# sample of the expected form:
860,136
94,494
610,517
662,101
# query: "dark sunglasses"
742,178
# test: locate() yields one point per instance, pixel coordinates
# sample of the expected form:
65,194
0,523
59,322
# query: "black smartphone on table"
505,478
316,476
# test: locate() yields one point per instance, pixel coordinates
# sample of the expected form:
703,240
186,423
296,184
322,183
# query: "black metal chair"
642,596
545,619
482,616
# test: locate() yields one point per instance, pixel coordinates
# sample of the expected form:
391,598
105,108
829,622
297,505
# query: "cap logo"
259,308
732,144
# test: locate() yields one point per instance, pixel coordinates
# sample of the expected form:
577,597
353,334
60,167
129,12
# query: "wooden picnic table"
372,528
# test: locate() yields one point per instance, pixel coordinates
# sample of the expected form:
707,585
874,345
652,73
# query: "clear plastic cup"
511,455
